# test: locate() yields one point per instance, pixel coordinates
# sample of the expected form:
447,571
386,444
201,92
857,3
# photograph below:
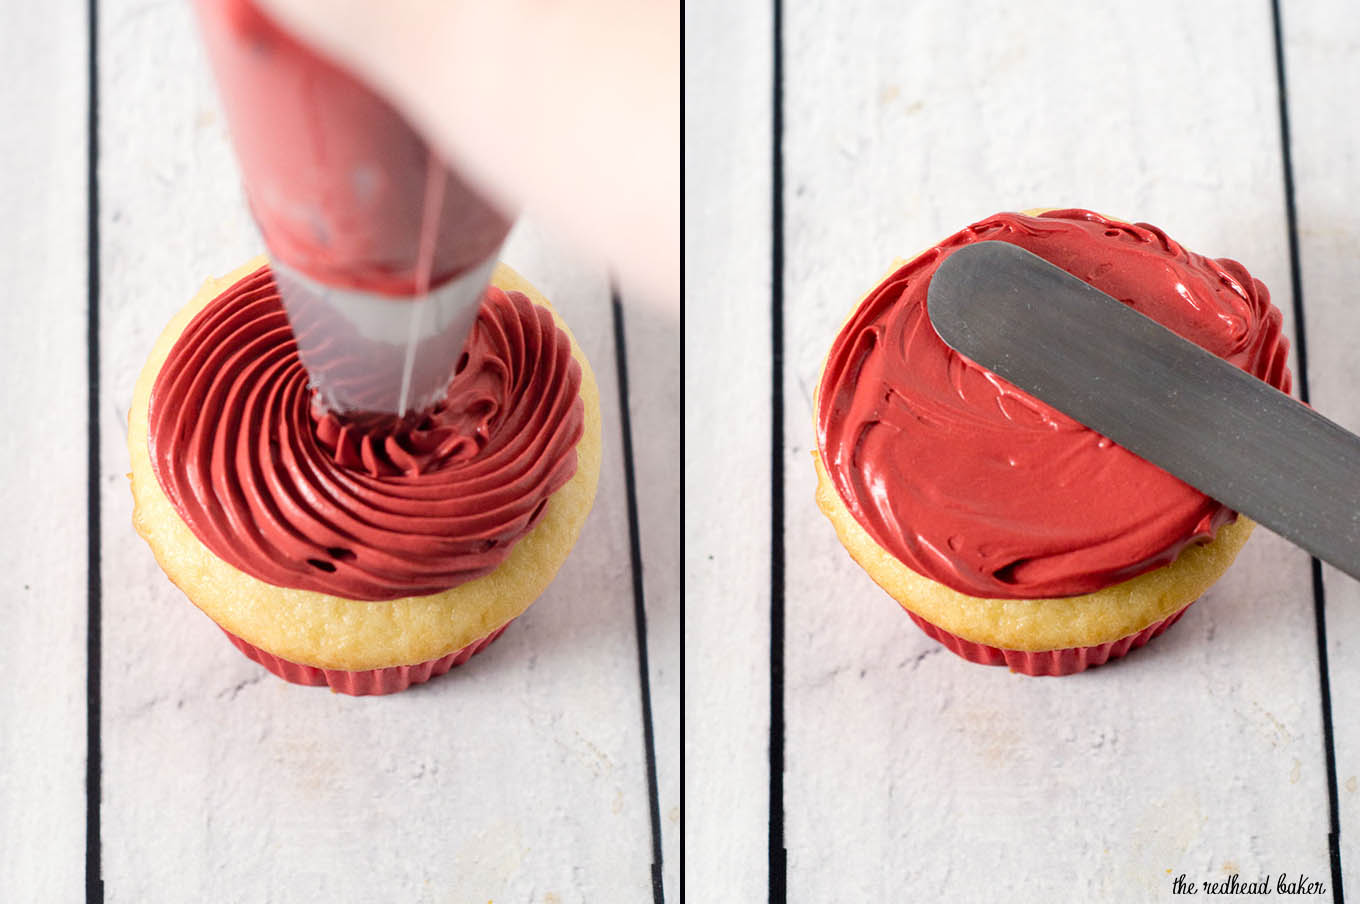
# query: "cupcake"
1009,532
366,555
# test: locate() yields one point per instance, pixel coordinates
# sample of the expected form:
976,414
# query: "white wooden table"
142,759
819,720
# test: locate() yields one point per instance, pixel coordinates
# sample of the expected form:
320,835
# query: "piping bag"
381,252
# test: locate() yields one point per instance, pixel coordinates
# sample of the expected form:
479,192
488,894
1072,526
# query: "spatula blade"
1218,428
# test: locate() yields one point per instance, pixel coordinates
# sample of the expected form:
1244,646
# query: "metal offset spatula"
1218,428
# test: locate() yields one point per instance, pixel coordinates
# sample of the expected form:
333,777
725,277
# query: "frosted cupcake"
366,557
1009,532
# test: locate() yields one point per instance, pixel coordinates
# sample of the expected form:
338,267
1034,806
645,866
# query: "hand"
569,109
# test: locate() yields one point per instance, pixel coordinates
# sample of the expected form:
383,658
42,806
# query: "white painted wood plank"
653,346
727,443
43,77
517,777
1322,68
909,768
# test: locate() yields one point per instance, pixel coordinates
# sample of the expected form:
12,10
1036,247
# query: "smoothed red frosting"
369,510
979,486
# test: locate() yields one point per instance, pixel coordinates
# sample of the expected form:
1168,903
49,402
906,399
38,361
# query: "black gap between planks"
778,855
1301,350
94,879
639,596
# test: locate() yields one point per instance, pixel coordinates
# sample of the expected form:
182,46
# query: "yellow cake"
1041,633
328,632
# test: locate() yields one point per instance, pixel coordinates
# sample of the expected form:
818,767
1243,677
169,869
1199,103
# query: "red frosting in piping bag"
335,176
372,511
979,486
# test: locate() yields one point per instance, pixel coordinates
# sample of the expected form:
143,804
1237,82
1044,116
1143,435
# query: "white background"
909,773
521,776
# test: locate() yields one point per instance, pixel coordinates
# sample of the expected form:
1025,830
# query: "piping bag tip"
366,352
381,251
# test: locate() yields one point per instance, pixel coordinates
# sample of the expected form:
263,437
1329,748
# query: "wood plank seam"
1301,350
94,881
639,597
778,855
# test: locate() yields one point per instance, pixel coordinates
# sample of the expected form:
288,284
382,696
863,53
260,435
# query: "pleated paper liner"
370,681
1046,662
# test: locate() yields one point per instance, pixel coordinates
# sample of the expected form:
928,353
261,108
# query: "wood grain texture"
1322,67
727,449
519,776
43,74
908,768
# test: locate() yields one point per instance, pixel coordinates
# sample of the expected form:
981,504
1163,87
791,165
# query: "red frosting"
336,177
369,510
981,487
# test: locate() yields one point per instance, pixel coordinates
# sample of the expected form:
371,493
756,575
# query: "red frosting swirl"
366,510
980,486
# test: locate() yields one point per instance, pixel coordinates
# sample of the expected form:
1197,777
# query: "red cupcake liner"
1046,662
366,682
